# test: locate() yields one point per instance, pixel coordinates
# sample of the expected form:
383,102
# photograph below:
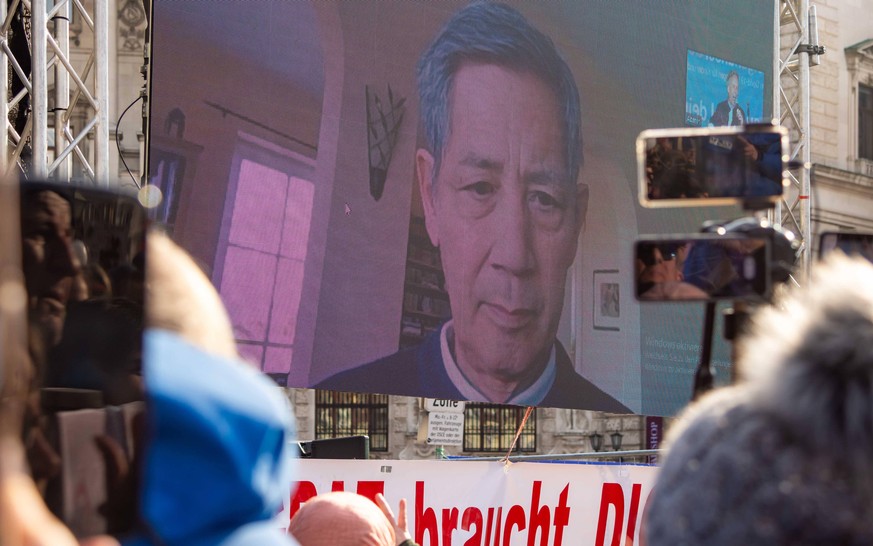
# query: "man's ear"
424,165
581,206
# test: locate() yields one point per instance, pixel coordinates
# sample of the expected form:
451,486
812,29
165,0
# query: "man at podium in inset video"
502,202
729,112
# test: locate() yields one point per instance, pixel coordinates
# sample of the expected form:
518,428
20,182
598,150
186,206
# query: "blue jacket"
216,462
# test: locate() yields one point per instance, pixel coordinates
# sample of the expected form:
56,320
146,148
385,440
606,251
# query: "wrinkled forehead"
490,104
46,206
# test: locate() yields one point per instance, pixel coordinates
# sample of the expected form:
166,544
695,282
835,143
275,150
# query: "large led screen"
719,92
438,199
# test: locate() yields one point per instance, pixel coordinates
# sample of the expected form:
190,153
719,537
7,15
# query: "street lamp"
615,437
596,441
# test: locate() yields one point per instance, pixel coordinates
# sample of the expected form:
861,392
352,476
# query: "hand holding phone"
83,264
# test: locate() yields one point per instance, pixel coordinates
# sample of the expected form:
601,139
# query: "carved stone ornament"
131,25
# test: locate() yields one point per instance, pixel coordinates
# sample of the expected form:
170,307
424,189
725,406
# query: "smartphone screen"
83,259
702,268
860,244
712,166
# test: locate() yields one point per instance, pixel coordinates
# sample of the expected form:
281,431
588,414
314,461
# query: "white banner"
469,503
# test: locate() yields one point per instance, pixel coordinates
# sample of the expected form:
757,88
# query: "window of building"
339,414
865,122
492,427
262,252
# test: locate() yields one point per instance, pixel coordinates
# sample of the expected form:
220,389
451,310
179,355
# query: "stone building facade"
558,431
841,119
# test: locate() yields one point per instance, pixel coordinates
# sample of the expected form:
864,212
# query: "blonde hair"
180,298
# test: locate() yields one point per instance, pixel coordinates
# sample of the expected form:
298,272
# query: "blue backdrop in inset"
705,87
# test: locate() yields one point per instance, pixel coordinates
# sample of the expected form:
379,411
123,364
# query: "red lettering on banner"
539,518
514,518
562,516
303,492
472,516
632,517
495,525
425,518
450,523
497,532
306,490
613,495
370,489
366,488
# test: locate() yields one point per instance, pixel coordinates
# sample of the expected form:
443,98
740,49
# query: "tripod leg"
703,377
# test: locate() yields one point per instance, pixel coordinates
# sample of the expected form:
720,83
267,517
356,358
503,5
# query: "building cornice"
843,180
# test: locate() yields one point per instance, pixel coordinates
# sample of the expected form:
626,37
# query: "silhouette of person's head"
49,259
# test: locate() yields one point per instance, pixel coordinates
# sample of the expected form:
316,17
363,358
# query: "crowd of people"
671,171
701,269
209,462
780,457
747,165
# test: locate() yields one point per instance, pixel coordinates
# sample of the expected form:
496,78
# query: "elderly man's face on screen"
505,217
733,89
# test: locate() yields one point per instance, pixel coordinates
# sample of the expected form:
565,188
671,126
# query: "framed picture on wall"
607,300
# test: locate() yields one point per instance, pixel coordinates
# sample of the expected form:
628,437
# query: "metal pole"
101,90
793,108
561,456
62,86
775,215
39,98
805,209
4,94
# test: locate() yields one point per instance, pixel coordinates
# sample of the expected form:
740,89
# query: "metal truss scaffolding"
70,101
791,107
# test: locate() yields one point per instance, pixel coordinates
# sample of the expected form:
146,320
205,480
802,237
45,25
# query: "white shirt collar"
531,396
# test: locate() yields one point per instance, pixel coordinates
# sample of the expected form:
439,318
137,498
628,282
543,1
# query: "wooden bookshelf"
425,301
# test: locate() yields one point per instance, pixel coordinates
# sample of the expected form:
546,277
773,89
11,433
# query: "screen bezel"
78,420
692,132
762,282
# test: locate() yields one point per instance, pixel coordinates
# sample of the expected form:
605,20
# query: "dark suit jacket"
722,114
419,370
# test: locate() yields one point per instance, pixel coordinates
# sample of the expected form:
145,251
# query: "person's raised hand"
399,524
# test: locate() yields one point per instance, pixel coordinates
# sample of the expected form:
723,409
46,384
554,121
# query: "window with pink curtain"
262,273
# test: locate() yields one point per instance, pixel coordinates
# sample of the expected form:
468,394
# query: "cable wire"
118,143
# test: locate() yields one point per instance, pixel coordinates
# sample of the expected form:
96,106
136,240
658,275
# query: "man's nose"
62,259
513,249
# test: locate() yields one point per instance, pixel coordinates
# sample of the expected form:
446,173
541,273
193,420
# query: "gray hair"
495,34
813,354
732,74
785,456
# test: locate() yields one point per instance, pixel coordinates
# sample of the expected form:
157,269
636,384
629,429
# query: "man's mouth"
509,318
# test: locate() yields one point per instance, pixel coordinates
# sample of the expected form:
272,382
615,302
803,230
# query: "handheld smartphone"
712,166
703,267
83,264
851,243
